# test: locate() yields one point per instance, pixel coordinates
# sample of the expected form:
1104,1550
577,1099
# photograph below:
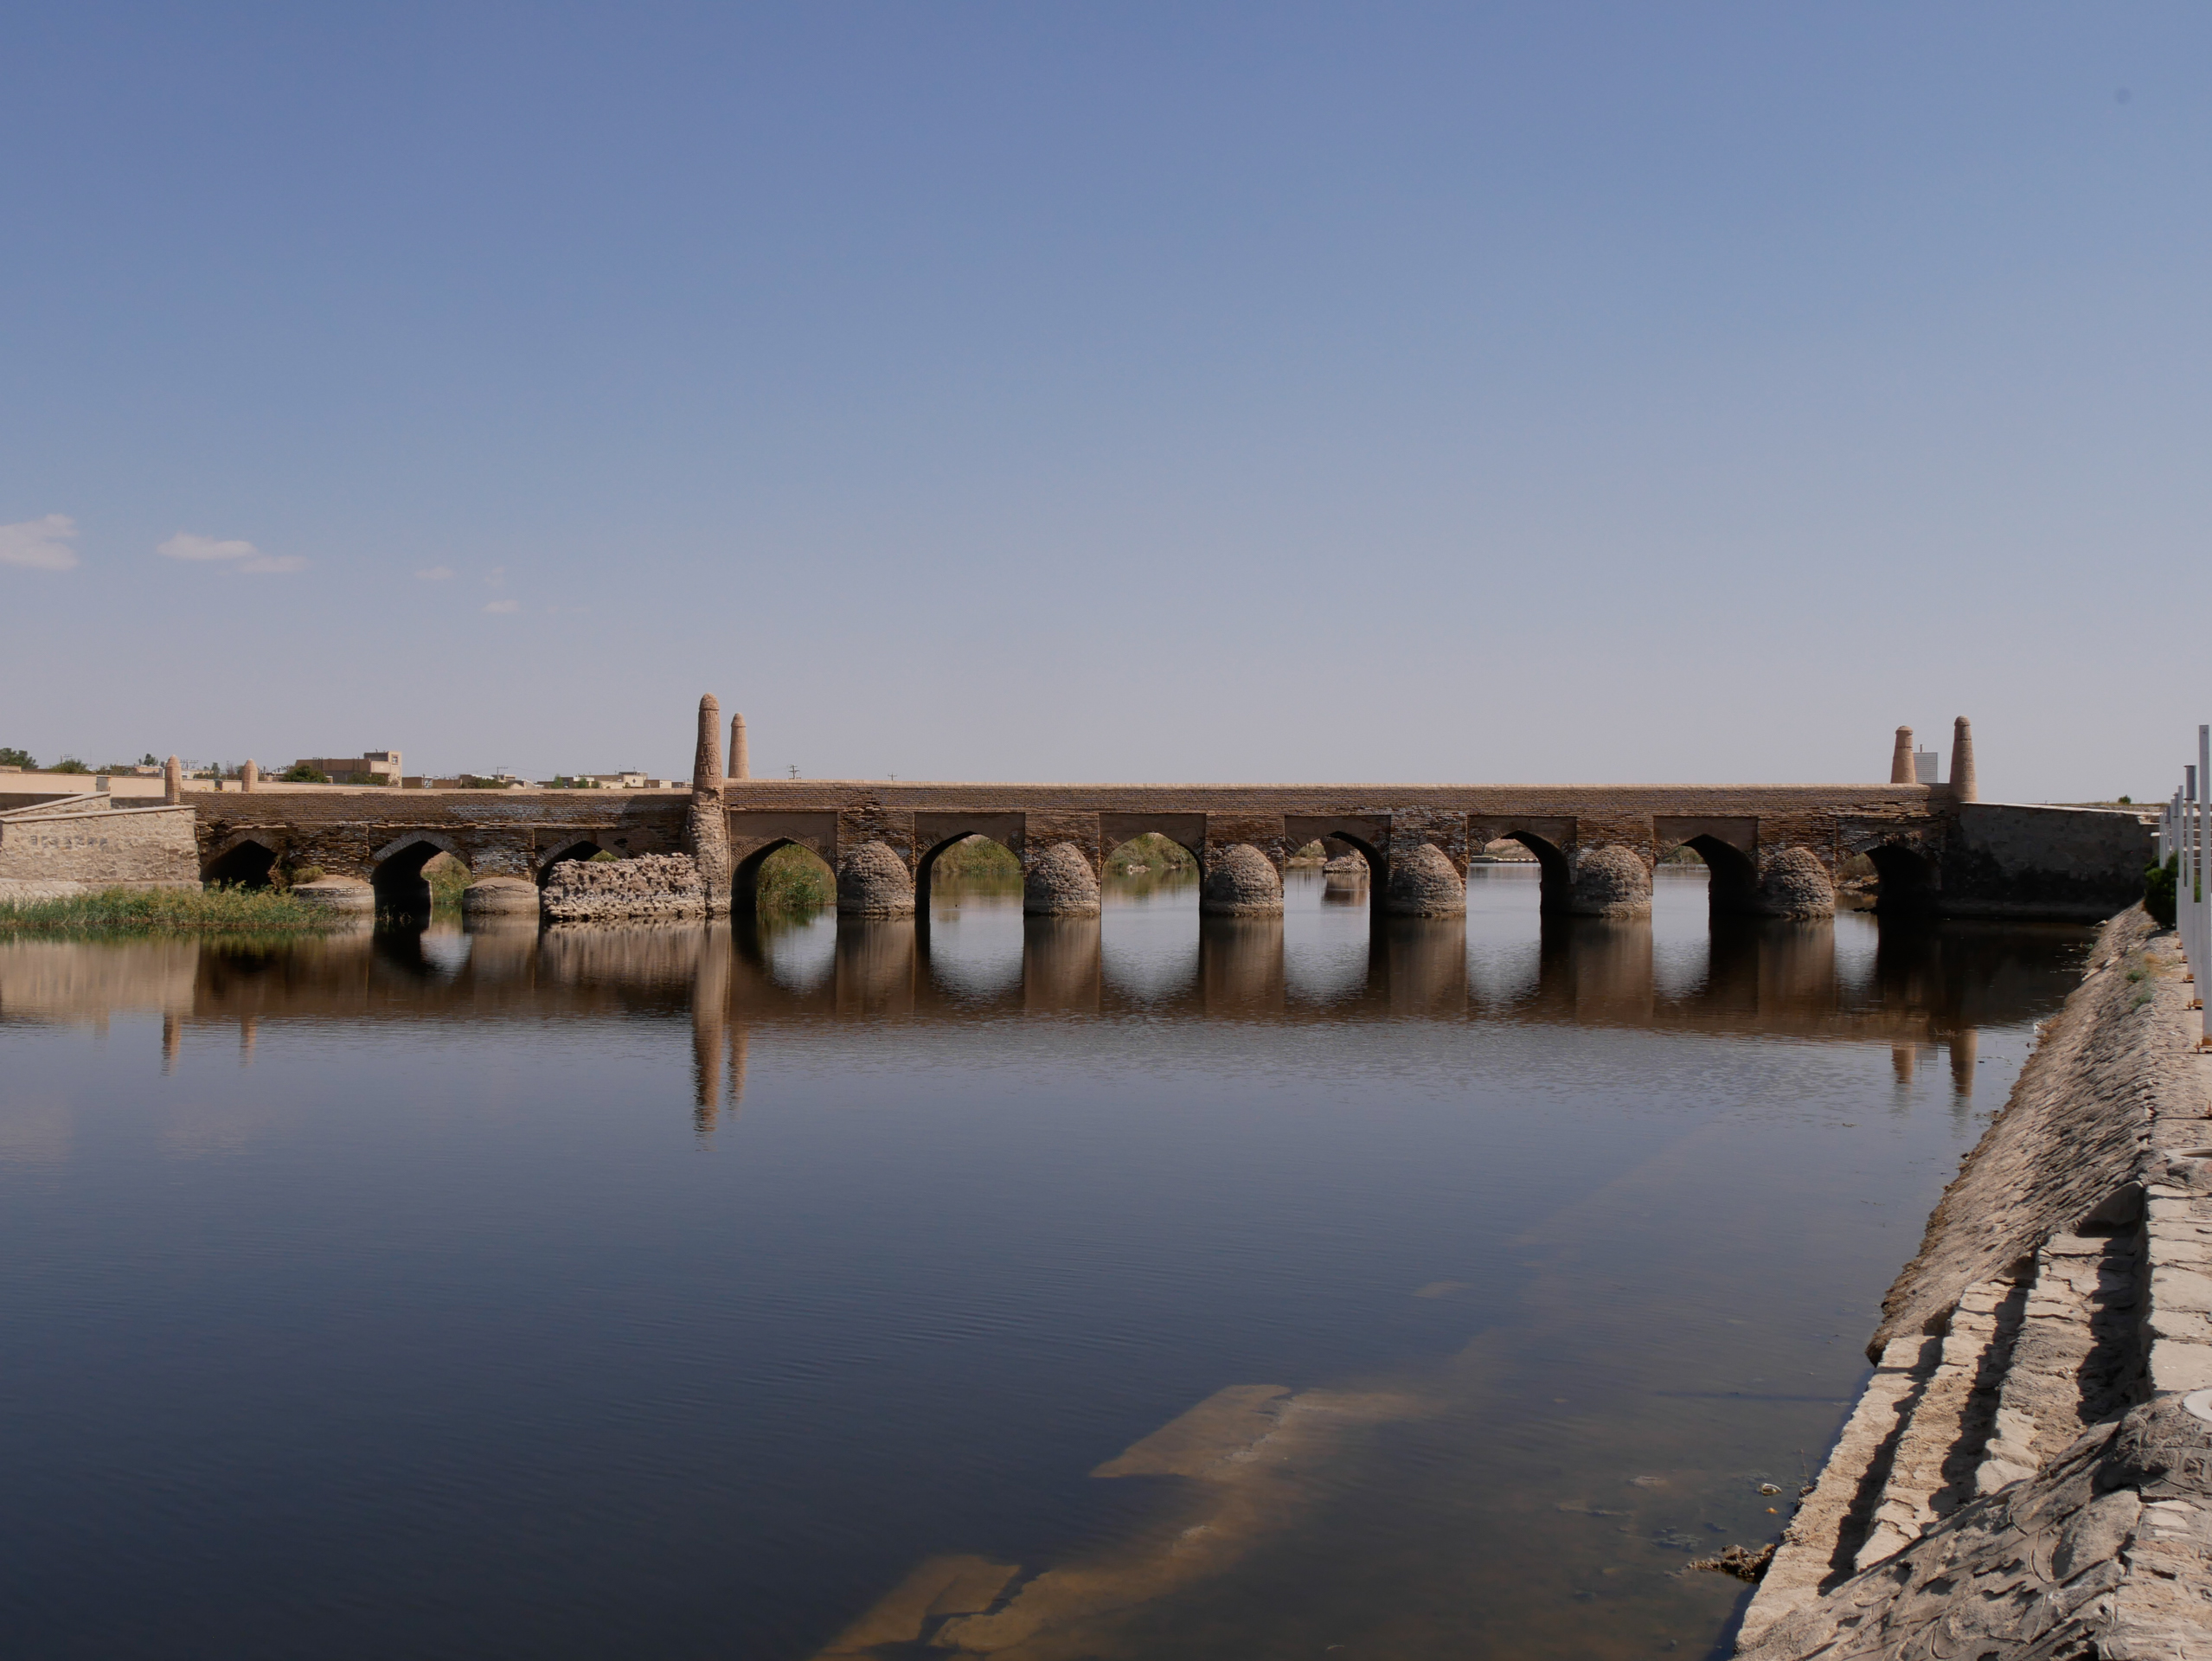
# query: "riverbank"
154,911
2021,1476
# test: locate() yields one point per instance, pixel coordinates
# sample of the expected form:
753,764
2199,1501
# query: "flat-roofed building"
369,767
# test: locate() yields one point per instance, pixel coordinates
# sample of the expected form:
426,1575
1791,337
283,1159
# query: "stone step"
1937,1453
1825,1532
2075,1362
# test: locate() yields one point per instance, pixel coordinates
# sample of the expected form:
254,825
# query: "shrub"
793,879
68,764
2158,889
300,774
1153,852
447,877
976,856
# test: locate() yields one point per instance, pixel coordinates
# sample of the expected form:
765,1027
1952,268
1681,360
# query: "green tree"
12,757
69,764
2158,881
300,774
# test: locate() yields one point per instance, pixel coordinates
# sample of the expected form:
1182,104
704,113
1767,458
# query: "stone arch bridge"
1772,849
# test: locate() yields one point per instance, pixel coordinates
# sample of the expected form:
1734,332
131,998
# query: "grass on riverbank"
1150,853
161,911
976,856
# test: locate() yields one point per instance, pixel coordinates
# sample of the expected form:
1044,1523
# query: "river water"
1144,1288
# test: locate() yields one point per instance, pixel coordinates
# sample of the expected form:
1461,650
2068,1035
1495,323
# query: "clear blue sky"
1180,391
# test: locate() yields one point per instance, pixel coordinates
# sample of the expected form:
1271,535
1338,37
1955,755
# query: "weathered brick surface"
98,846
1991,858
494,833
653,888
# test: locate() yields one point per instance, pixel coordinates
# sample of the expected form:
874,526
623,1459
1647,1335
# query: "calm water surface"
1144,1289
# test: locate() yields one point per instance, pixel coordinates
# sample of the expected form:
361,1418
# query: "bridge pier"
1611,881
1423,882
1058,882
1794,882
873,881
1238,881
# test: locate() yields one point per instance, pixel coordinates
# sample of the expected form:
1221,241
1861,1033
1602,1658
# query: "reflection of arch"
244,861
398,878
1907,876
1733,884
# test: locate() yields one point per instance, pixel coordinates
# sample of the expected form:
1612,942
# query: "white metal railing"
2185,836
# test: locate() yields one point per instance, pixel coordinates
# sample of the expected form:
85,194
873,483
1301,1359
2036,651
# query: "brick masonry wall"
1832,822
494,833
1984,856
146,847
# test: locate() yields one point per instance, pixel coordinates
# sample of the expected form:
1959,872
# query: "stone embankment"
653,888
2029,1472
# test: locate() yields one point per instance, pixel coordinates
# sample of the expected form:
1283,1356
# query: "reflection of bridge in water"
1925,986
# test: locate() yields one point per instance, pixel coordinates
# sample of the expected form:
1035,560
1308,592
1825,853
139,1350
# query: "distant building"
1924,763
369,767
628,780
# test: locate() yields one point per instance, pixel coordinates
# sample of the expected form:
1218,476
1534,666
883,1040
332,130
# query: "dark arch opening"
1906,879
1558,887
582,848
246,866
401,888
784,876
1731,876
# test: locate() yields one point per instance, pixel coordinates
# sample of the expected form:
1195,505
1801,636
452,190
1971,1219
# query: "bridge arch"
577,847
1731,876
1907,877
1118,859
745,875
398,880
243,861
943,840
1558,879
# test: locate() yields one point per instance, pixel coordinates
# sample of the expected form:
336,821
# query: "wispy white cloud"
503,605
435,574
496,577
185,546
41,544
239,557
